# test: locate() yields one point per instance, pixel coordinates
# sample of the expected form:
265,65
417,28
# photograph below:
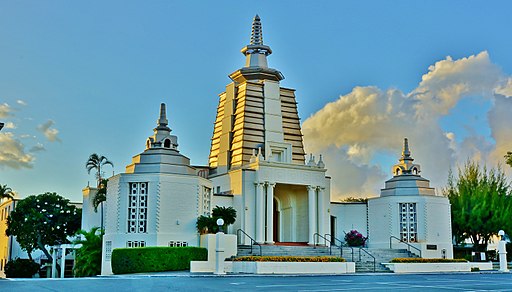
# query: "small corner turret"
162,137
406,167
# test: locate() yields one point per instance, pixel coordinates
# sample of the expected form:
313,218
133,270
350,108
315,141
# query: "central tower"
256,113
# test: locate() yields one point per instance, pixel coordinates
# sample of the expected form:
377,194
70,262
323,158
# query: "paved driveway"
186,282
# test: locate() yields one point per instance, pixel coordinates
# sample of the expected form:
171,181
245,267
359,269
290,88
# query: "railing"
334,239
316,236
368,253
253,242
404,242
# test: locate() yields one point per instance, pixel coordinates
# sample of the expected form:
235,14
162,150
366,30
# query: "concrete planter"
290,268
436,267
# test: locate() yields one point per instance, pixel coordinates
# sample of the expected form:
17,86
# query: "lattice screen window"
135,243
108,250
408,222
207,198
178,243
138,207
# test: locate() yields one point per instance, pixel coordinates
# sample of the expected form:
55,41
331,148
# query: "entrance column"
260,212
312,213
270,213
321,212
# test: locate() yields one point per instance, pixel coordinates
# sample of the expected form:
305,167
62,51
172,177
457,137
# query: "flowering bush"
322,259
422,260
354,238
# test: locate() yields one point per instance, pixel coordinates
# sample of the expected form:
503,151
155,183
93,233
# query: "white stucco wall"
173,208
433,224
349,216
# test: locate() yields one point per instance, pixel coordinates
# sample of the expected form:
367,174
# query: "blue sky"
85,77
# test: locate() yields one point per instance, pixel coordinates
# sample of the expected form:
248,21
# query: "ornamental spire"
256,35
256,52
406,153
162,121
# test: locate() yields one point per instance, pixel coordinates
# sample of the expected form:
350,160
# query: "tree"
96,162
481,204
208,224
6,192
508,158
88,257
43,220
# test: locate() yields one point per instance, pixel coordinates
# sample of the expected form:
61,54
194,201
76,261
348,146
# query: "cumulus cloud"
10,125
49,132
5,111
12,152
369,123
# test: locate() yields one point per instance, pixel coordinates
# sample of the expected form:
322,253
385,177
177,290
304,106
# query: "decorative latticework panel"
138,207
408,222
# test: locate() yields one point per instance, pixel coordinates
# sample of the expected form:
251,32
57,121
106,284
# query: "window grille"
138,207
173,243
108,250
207,193
408,222
135,243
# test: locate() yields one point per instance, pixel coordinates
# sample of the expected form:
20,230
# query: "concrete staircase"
364,262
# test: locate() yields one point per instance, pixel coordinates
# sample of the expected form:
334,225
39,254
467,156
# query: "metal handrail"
253,242
368,253
336,239
408,244
316,236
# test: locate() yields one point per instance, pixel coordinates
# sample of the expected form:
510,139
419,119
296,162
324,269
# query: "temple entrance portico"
288,211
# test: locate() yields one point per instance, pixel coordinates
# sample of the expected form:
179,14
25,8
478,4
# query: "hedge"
323,259
422,260
155,259
21,268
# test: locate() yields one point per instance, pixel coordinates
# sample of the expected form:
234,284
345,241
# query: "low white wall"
208,241
290,268
436,267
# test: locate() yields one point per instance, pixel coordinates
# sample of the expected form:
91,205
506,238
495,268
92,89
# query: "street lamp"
502,251
219,250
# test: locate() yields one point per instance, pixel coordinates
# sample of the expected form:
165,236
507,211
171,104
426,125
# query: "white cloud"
12,152
21,102
49,132
36,148
5,111
358,127
10,125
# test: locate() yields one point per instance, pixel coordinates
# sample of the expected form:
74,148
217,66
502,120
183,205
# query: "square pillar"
312,214
321,212
270,213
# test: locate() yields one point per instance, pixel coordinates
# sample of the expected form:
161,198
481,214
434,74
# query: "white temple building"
258,165
409,210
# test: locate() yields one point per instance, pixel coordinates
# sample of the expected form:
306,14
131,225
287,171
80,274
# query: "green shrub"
21,268
421,260
88,257
323,259
155,259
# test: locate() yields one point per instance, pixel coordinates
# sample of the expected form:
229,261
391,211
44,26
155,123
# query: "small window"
397,171
167,143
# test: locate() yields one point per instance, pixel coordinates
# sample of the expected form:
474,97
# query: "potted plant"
354,238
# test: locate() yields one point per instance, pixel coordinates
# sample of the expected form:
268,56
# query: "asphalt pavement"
184,281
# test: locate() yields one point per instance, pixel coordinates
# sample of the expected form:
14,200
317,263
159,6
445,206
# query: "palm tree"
96,162
6,192
228,214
